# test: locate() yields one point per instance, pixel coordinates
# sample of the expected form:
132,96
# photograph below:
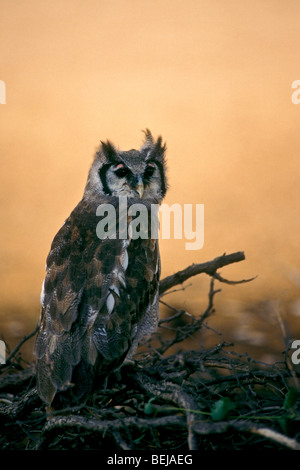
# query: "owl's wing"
58,342
95,295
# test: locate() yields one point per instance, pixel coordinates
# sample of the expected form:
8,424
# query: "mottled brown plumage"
100,296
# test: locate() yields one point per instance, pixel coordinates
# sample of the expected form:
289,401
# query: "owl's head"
133,173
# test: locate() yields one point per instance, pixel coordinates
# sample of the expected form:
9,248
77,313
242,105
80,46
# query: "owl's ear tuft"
160,147
148,142
109,151
155,149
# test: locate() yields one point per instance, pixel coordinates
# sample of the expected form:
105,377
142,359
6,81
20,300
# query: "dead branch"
170,392
187,331
16,381
16,407
247,427
209,267
105,427
23,340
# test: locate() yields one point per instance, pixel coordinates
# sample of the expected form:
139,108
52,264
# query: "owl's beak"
139,186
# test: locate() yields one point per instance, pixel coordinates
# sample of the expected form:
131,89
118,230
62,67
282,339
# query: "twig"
23,340
120,441
171,392
107,426
182,288
267,433
178,314
249,427
210,268
232,283
189,330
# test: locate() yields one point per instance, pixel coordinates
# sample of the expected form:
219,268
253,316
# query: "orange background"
214,78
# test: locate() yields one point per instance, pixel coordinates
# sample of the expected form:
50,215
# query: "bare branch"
210,268
23,340
226,281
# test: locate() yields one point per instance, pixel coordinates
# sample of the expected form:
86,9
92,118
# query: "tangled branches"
191,399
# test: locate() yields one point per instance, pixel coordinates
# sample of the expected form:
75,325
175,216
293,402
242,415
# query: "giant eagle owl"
100,294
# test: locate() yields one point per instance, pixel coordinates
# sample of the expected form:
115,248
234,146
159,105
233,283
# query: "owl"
100,295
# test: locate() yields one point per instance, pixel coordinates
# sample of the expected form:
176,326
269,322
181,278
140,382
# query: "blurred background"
214,78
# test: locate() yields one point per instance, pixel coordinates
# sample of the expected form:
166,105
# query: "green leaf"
221,409
149,408
287,425
290,398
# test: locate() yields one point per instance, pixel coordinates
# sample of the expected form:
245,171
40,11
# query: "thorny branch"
164,401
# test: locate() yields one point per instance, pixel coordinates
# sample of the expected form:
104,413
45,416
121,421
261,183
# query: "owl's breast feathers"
96,294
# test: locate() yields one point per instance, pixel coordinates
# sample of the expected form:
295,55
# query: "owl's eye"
149,170
121,171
